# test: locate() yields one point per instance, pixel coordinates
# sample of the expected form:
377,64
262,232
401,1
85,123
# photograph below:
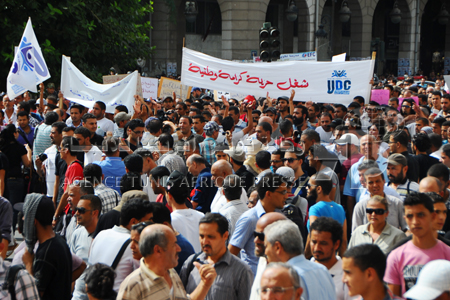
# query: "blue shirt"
314,279
352,183
30,137
204,191
328,209
186,251
243,235
113,169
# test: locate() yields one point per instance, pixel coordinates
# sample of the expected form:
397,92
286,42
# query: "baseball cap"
397,159
348,138
237,154
286,172
176,185
159,171
271,109
285,98
210,128
196,89
122,116
433,280
51,85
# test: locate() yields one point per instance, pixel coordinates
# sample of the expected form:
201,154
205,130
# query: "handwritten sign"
380,96
167,86
115,78
337,82
228,96
149,87
400,101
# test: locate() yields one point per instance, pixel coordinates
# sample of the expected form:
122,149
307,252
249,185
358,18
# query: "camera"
42,157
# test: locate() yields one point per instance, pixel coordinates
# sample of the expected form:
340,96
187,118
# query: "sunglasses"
377,211
407,106
259,235
275,161
82,210
289,160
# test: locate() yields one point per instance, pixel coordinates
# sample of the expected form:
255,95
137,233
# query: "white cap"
348,138
287,172
433,280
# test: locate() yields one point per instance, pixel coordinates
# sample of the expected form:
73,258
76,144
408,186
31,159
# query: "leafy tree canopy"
96,34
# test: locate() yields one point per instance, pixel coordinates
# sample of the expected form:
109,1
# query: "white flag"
28,68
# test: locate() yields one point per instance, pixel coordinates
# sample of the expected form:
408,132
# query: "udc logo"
339,83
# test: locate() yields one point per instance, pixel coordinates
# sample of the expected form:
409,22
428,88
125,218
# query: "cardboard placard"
167,86
149,87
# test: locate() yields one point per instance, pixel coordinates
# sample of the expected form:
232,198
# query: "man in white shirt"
326,238
99,112
91,152
88,210
234,208
107,244
325,131
184,219
219,170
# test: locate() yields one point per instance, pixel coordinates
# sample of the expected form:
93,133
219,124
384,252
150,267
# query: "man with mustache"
396,170
325,131
238,276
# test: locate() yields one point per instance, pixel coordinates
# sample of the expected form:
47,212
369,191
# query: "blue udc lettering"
330,86
347,85
339,85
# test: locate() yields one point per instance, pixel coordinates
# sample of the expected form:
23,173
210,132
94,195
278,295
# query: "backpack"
294,214
10,279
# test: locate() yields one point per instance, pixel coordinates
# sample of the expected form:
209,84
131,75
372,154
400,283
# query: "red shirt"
74,172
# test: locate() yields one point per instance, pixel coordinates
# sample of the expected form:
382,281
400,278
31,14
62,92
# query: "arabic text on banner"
324,82
78,88
28,68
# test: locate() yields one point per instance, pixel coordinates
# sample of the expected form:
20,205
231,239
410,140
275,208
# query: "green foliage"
96,34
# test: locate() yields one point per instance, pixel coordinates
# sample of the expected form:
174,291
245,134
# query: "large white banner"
29,67
325,82
78,88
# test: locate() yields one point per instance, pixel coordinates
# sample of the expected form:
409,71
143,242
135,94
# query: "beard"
297,121
312,196
396,179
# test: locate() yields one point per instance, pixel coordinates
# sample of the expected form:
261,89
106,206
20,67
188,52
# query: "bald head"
219,170
268,219
266,119
154,235
430,184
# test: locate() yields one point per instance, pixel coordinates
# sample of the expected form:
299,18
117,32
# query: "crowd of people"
205,198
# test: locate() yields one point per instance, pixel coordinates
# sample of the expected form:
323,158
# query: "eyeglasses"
275,161
289,160
407,106
282,192
82,210
259,235
371,109
392,116
276,290
142,224
377,211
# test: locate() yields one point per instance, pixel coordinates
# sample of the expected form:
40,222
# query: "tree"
96,34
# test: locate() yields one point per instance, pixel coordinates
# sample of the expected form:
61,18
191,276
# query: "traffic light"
269,42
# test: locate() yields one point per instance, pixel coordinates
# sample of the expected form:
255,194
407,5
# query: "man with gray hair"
375,185
219,170
234,207
280,278
120,119
284,243
156,279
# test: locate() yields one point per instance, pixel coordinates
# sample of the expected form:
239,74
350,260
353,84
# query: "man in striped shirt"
156,279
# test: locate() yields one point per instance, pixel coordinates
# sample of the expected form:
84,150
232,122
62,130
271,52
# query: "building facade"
229,29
